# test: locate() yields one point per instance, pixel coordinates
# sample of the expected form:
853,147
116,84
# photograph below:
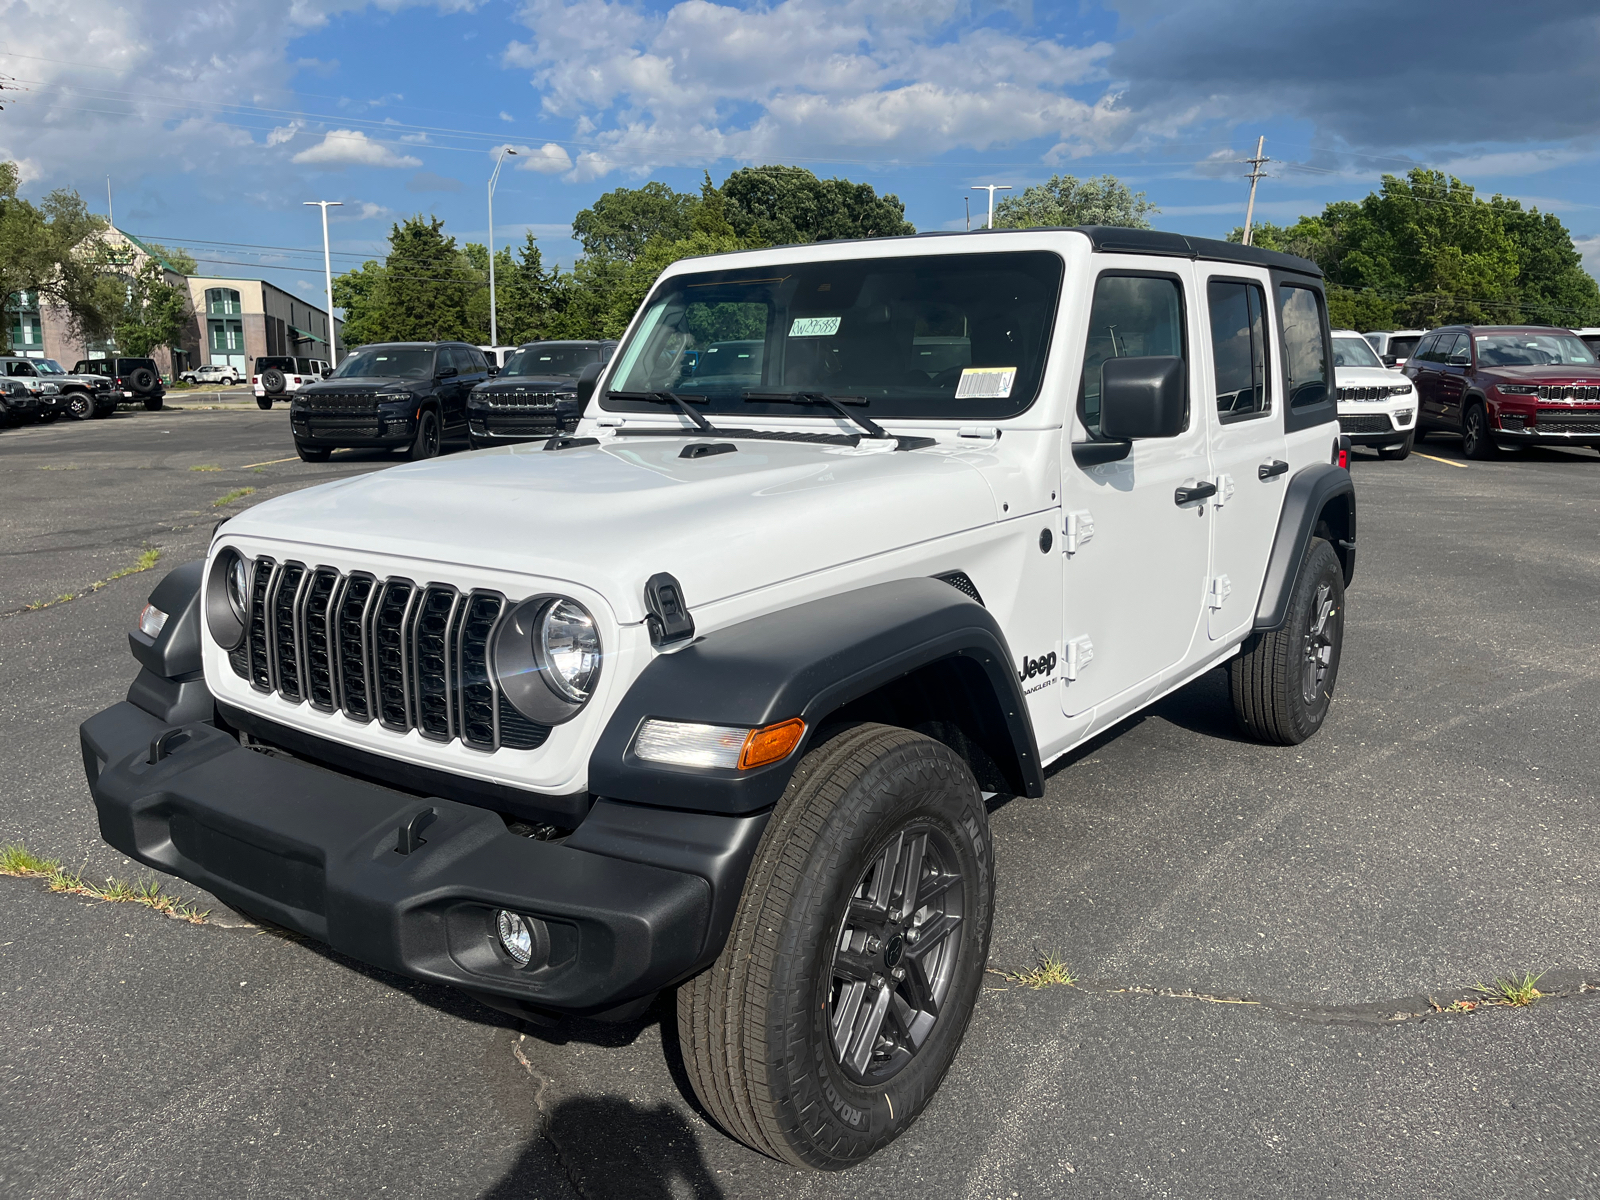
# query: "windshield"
1401,347
1531,350
1354,352
384,362
948,335
48,366
551,360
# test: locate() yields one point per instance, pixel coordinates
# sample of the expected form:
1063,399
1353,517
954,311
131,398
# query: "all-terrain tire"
142,380
1282,681
274,381
761,1029
80,406
1402,451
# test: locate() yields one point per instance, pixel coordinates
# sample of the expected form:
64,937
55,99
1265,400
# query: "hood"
1568,373
1368,377
361,383
529,383
611,516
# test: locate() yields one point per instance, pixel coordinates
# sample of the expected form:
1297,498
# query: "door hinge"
1224,490
1080,650
1221,589
1080,530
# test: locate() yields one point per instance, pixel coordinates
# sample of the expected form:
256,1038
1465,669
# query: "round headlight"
239,587
568,649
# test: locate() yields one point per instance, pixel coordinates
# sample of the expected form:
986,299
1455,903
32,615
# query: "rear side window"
1239,347
1305,357
1133,316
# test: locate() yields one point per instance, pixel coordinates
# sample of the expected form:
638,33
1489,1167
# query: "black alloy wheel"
426,443
1318,643
1476,441
80,405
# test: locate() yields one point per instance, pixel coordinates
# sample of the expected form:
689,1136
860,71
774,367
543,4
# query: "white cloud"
548,159
284,133
1589,247
352,148
505,116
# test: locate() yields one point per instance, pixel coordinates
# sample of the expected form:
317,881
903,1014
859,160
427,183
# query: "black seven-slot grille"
1365,423
406,655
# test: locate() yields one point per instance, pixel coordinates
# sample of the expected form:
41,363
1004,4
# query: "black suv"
536,395
131,379
407,396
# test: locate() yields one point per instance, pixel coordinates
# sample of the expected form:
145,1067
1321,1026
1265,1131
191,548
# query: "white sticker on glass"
814,326
986,383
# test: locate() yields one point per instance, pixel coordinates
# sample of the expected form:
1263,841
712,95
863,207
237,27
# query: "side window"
1239,347
1460,344
1305,356
479,363
1133,316
1423,350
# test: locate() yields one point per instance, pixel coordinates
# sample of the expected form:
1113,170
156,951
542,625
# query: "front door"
1450,386
1249,459
1136,556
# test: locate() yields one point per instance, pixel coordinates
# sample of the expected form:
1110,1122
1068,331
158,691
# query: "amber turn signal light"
771,743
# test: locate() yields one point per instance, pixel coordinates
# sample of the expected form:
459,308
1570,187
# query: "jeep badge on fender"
704,694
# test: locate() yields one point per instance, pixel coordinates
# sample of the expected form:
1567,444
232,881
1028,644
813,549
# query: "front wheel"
844,989
426,443
81,406
308,455
1402,451
1476,441
1282,681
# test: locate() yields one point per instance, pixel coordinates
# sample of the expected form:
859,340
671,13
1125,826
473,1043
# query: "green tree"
426,290
778,206
356,292
1066,200
530,298
50,249
177,257
622,222
142,309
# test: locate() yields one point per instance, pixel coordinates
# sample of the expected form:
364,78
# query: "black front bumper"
634,900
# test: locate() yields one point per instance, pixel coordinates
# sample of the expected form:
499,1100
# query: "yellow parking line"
1445,461
296,458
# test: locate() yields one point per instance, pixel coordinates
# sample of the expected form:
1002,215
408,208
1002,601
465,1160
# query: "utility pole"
494,326
111,217
991,188
966,203
1256,173
327,275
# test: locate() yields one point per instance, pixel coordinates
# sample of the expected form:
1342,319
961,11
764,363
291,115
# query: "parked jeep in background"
29,373
278,376
130,379
708,695
407,396
1505,385
536,393
214,373
1395,346
1377,406
18,406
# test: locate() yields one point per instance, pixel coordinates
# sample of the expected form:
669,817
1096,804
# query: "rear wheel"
1396,453
152,403
1476,440
1282,681
263,402
426,443
843,992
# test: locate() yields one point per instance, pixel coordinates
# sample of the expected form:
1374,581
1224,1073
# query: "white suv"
709,694
279,376
1377,405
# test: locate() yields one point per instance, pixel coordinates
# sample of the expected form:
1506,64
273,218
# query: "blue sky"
216,121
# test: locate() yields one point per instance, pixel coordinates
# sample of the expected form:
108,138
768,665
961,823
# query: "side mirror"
1142,397
1459,360
587,378
493,370
1389,360
446,373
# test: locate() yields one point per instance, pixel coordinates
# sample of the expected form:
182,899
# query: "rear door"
1248,456
1137,558
1451,382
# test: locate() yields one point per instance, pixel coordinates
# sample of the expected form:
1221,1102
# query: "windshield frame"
1045,269
355,356
1364,345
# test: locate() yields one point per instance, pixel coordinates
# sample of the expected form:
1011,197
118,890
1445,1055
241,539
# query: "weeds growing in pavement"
1512,992
207,467
1050,971
230,497
18,861
148,557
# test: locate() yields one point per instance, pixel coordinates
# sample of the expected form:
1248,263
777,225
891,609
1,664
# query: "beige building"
227,320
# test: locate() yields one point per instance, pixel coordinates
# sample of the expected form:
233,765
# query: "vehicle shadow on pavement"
617,1149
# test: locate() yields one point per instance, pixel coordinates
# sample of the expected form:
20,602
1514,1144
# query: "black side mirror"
587,378
1389,360
1142,397
446,373
1459,360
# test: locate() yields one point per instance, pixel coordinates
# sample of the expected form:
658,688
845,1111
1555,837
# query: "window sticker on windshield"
986,383
814,327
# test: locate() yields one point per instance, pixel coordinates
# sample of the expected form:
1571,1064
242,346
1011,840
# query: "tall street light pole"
494,326
327,275
991,188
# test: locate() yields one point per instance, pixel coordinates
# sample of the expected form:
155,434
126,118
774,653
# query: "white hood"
1368,377
610,516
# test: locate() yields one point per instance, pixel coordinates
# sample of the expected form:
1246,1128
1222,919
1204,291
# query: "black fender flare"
810,661
1315,493
171,682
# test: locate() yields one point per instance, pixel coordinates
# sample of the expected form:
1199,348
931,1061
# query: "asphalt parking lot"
1262,936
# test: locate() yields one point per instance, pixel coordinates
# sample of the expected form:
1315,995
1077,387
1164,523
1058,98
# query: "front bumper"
498,426
373,428
1549,427
1382,428
630,905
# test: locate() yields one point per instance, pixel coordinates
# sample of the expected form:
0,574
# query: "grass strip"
19,862
230,497
148,557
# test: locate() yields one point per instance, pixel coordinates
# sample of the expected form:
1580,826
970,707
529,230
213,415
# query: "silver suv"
60,393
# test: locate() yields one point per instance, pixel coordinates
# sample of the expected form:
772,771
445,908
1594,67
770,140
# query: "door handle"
1272,469
1198,491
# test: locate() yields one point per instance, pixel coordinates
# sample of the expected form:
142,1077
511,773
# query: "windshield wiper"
680,399
837,403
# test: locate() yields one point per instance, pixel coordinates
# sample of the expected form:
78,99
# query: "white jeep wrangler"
709,694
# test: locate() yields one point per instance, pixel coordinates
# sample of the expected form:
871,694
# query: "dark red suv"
1504,385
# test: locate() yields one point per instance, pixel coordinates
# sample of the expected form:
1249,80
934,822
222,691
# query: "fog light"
152,621
516,939
1402,416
